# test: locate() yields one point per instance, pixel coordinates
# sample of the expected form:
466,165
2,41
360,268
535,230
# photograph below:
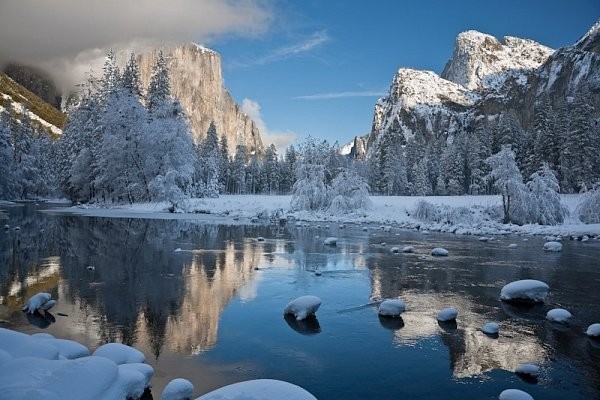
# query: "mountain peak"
591,40
478,58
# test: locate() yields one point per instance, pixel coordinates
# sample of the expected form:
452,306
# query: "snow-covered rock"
512,246
514,394
484,239
68,349
447,314
36,302
178,389
552,246
408,249
395,250
593,330
303,306
559,315
330,241
260,239
146,370
120,353
531,370
491,328
526,290
391,308
439,252
19,344
259,389
48,305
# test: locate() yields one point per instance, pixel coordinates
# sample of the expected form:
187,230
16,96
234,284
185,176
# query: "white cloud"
340,95
281,139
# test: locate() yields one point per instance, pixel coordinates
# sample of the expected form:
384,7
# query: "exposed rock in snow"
593,330
178,389
303,306
36,302
491,328
525,291
330,241
259,389
559,315
391,308
552,246
531,370
120,353
447,314
439,252
514,394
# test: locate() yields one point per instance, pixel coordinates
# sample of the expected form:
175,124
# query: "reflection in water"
40,319
307,326
392,323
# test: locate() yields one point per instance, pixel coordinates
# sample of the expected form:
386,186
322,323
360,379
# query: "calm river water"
212,313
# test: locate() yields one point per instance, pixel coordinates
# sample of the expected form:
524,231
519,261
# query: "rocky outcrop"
36,81
197,82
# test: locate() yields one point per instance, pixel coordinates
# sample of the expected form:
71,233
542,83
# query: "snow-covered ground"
462,214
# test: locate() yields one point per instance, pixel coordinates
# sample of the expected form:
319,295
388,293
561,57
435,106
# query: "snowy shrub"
588,209
169,188
309,192
456,215
349,193
426,211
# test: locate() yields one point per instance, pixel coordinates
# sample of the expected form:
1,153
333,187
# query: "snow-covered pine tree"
508,182
420,185
7,179
238,171
587,209
545,207
224,167
27,171
208,164
288,169
271,170
159,89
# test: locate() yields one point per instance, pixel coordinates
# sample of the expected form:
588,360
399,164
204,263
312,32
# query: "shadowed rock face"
36,81
197,82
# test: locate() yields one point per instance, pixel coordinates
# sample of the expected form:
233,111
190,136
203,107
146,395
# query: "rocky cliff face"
197,82
484,79
36,81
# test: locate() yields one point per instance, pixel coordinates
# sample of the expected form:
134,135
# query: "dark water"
213,312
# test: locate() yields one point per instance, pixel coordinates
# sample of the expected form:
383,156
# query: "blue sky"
320,66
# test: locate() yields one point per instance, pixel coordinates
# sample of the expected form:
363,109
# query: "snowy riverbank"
460,214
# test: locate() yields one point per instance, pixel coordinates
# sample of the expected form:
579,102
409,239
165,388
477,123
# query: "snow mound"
303,307
408,249
18,344
120,353
178,389
36,302
330,241
447,314
439,252
528,370
552,246
146,370
525,291
559,315
512,246
259,389
491,328
68,349
391,308
514,394
395,250
593,330
48,305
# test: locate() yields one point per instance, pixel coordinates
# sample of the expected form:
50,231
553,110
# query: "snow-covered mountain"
484,79
196,80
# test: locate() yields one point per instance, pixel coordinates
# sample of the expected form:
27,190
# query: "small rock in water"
395,250
365,228
484,239
177,250
593,330
559,315
317,273
260,239
391,308
491,328
531,370
6,227
514,394
552,246
90,268
525,291
330,241
439,252
447,314
512,246
408,249
383,244
303,307
178,389
425,232
17,228
585,238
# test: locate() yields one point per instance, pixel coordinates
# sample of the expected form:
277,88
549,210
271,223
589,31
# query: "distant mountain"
42,114
492,87
197,81
36,81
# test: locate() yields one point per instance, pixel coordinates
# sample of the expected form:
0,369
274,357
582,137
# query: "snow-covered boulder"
484,239
146,370
330,241
260,239
259,389
447,314
391,308
512,246
552,246
48,305
559,315
120,353
514,394
68,349
19,344
36,302
530,370
395,250
303,306
525,291
408,249
439,252
178,389
491,328
593,331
